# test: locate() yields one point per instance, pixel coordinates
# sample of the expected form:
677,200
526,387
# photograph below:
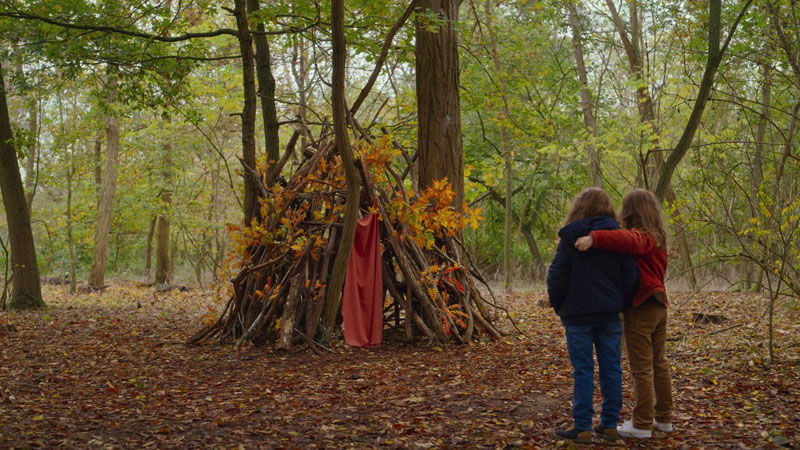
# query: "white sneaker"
662,426
628,430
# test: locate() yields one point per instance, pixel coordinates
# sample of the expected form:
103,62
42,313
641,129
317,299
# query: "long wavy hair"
640,209
590,202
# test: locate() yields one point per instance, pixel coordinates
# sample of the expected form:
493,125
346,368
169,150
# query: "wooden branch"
382,57
715,55
411,315
276,168
723,330
117,30
313,314
634,59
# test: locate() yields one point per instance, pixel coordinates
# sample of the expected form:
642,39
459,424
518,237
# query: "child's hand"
584,243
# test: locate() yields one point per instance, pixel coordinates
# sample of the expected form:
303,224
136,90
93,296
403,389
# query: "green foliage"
179,101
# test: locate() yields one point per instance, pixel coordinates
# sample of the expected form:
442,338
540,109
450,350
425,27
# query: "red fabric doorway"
362,302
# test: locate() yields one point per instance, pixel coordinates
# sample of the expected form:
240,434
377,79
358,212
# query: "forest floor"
111,371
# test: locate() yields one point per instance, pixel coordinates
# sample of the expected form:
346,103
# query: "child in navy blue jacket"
588,291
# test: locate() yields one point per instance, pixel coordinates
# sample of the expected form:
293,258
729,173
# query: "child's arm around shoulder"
632,242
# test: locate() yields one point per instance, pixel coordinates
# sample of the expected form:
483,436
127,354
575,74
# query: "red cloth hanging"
362,302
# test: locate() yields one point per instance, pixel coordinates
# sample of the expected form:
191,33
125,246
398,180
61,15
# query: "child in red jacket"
645,326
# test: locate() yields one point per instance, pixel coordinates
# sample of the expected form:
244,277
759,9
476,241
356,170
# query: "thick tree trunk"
106,202
26,291
589,121
266,87
333,294
439,135
248,113
30,160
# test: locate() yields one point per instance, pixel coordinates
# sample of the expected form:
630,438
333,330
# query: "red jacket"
650,259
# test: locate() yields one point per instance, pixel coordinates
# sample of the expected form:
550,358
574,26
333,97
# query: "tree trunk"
26,291
589,121
756,164
73,282
248,113
644,99
173,253
6,278
149,249
333,292
98,166
300,69
106,203
437,75
70,173
266,87
31,104
684,254
787,151
219,259
788,43
663,190
507,162
30,160
162,238
715,54
526,228
757,169
162,242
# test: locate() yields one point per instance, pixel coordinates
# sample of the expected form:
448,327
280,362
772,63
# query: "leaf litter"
110,370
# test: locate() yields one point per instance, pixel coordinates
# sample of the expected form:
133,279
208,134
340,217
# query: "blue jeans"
606,339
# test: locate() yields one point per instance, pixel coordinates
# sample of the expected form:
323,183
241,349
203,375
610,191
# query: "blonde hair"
590,202
640,209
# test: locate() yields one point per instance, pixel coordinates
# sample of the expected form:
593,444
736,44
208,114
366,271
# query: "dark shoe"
580,437
608,434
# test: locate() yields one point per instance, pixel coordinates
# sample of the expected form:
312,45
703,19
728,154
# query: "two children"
588,291
645,317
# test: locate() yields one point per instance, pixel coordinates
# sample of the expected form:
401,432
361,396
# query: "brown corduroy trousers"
645,329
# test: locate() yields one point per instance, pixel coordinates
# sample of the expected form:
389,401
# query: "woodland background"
178,182
135,123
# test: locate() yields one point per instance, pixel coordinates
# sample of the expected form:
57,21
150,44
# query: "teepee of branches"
283,260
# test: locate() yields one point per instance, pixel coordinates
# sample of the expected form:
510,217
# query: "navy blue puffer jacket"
590,287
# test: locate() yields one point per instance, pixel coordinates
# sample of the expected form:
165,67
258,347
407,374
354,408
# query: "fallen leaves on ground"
110,371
